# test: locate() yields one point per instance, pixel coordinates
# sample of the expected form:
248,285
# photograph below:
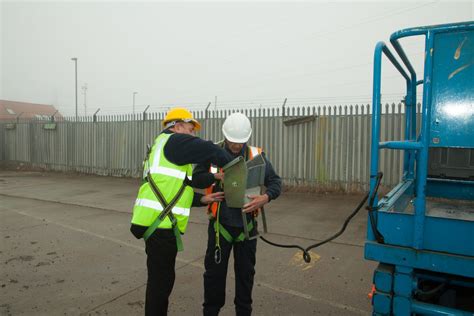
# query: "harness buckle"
173,220
217,255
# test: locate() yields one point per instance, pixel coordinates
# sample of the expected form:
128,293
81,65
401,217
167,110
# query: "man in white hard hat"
226,231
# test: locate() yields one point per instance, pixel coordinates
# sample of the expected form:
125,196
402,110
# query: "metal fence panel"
3,148
328,149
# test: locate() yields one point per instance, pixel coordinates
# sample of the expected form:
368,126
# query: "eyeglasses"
173,123
189,121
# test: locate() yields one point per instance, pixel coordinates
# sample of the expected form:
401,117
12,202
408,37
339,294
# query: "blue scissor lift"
422,231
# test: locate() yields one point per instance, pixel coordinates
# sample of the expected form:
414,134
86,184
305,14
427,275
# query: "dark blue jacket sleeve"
202,178
183,149
272,180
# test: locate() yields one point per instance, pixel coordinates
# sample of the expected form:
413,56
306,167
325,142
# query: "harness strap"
166,212
227,236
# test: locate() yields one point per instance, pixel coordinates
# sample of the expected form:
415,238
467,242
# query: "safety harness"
219,229
167,207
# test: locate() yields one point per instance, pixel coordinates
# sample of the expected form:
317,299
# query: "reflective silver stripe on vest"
169,172
157,207
157,157
254,151
157,169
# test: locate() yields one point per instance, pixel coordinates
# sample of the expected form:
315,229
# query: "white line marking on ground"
200,265
314,299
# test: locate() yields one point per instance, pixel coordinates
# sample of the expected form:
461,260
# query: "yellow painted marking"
298,261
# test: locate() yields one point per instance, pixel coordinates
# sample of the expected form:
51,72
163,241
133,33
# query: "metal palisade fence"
324,148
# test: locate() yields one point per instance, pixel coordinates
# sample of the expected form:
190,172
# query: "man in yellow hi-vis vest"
226,231
161,210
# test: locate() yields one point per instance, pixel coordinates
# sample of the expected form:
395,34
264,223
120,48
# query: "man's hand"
213,197
257,202
219,176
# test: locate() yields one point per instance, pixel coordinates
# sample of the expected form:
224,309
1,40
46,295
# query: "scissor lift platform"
422,231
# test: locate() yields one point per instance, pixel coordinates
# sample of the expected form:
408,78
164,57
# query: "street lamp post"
134,94
75,74
84,91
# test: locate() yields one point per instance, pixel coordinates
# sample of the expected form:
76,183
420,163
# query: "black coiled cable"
306,255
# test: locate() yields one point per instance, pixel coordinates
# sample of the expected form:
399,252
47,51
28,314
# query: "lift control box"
243,179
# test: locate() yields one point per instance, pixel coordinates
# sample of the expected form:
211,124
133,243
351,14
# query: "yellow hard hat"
180,114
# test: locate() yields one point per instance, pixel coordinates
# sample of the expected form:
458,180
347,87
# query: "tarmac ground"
66,249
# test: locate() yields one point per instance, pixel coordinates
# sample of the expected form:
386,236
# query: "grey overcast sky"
189,52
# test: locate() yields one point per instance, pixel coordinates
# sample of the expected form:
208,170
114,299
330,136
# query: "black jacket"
202,178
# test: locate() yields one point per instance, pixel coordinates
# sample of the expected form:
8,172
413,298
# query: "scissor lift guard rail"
422,231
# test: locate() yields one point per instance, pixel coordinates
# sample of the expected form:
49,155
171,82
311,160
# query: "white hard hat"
237,128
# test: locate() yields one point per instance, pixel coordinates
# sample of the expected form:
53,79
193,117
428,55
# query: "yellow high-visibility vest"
169,178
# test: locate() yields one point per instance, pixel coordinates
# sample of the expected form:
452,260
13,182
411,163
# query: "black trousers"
216,274
161,253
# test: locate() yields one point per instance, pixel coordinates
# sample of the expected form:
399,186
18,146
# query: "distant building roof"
9,110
